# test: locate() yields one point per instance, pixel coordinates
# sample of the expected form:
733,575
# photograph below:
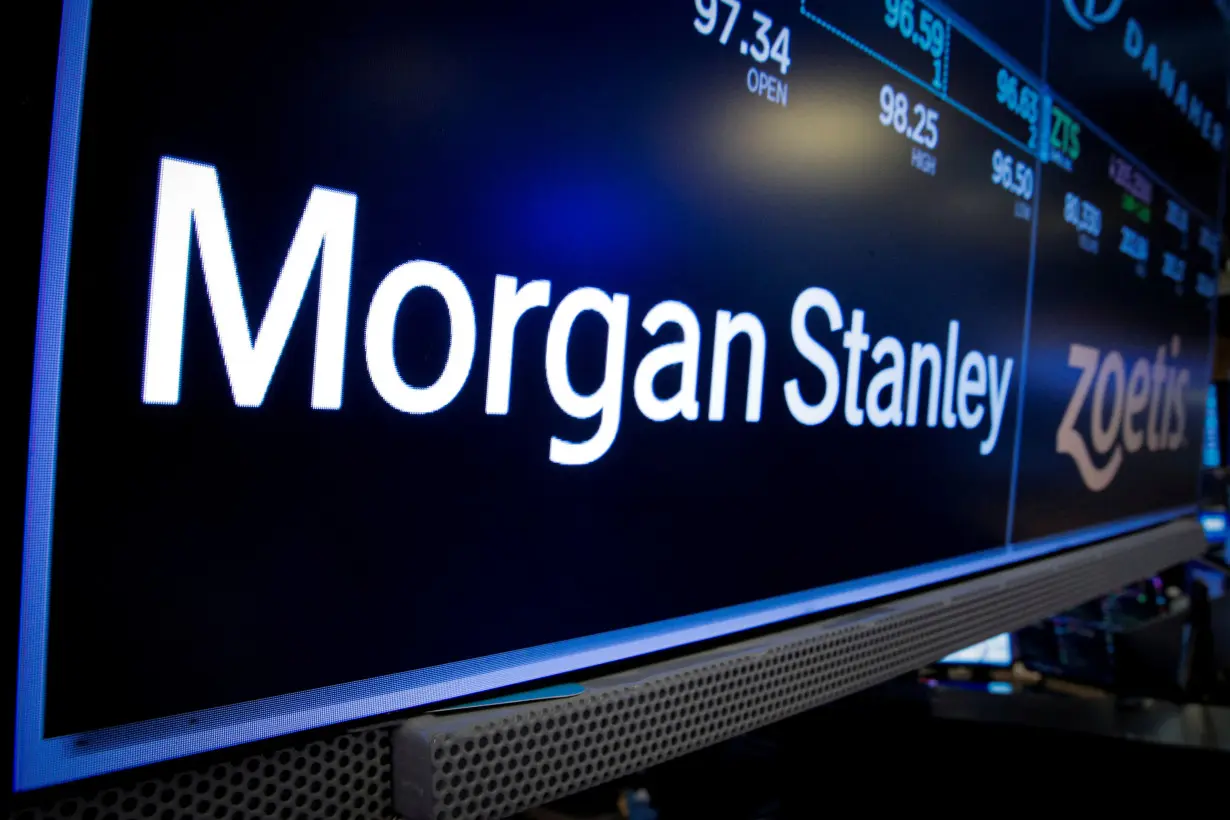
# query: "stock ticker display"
399,335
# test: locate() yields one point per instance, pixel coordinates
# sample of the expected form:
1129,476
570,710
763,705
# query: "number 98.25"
895,111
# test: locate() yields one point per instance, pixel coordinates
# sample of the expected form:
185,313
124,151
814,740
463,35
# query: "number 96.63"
923,127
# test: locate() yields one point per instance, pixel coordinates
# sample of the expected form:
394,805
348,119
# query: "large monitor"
388,353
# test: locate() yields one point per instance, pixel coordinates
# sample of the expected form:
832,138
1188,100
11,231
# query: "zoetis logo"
1119,399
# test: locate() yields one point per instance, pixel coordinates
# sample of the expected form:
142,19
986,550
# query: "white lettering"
381,327
923,161
509,305
921,354
763,84
891,378
999,399
684,353
803,412
950,367
857,342
972,382
724,332
604,401
188,195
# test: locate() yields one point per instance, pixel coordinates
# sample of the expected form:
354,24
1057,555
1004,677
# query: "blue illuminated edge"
40,761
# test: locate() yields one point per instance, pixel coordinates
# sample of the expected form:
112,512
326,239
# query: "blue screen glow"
1212,435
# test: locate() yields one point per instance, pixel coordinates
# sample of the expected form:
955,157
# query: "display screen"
995,651
392,353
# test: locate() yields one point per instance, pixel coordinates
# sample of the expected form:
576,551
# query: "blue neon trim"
60,759
1215,271
947,51
1044,138
942,93
868,50
989,125
1029,308
45,398
983,42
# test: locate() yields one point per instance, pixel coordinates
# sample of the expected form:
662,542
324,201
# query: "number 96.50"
895,111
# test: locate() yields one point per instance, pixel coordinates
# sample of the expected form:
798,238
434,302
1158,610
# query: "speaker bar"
495,762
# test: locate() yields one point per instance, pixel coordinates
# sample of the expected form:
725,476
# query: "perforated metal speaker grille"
494,763
342,778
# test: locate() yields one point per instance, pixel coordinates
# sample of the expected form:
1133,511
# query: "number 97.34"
920,124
